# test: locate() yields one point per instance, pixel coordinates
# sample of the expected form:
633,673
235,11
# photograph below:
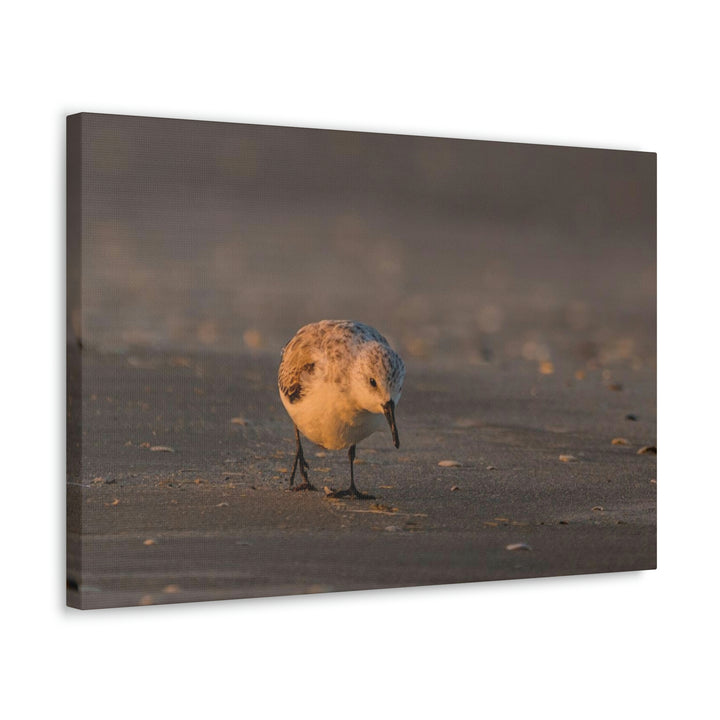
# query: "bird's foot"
302,486
352,493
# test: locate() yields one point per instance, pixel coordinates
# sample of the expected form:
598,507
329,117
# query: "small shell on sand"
546,368
566,458
647,450
620,441
518,546
449,463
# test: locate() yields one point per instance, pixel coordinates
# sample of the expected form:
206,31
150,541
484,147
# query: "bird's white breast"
327,416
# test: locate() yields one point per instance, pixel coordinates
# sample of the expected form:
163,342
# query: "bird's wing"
296,368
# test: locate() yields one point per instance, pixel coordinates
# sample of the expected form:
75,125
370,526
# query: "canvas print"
304,361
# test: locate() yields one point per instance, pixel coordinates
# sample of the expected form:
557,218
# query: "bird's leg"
352,491
351,455
300,458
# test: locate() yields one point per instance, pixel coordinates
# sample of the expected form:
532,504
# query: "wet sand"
210,517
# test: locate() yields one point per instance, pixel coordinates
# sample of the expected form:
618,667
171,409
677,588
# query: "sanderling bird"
339,381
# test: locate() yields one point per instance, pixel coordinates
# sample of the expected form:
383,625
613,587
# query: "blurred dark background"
205,236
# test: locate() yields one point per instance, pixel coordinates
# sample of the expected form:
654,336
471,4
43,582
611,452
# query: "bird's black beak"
389,410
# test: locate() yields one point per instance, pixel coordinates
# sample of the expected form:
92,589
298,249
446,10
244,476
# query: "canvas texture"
500,301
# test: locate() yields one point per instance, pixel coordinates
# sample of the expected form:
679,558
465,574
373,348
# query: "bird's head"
378,376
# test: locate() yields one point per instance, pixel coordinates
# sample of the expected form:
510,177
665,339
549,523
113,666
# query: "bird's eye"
372,382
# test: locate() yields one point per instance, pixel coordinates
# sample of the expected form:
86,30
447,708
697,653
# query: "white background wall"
625,75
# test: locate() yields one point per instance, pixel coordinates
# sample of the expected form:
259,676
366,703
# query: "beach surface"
182,491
